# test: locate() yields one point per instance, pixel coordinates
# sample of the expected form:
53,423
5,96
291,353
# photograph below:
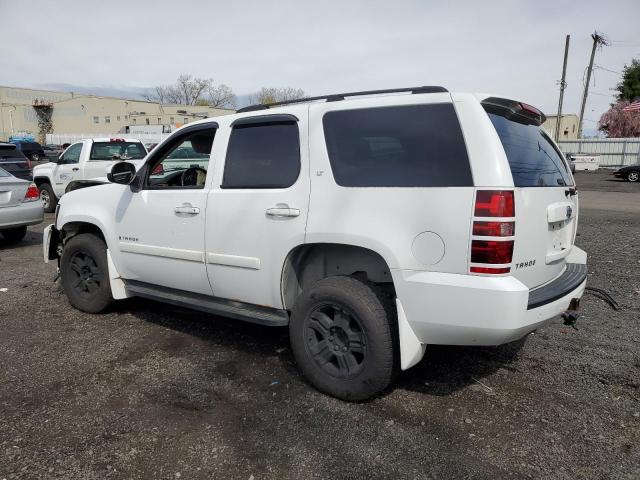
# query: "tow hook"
570,318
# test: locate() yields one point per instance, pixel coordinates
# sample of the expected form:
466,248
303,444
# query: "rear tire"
48,198
14,235
342,338
84,273
633,176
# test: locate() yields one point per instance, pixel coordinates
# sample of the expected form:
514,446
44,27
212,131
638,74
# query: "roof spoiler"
512,110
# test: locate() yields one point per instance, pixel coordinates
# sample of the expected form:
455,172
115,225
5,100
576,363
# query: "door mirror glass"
121,172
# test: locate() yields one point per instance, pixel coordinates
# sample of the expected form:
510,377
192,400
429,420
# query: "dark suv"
14,161
32,150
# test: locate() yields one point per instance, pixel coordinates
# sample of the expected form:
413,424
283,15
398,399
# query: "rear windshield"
402,146
533,159
117,151
11,154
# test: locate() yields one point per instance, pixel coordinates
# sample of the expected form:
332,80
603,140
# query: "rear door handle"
75,169
187,209
283,212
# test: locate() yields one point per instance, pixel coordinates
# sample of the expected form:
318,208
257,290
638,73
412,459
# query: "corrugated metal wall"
614,152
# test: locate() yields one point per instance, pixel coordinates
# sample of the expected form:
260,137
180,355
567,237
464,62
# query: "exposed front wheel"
341,337
84,273
633,176
48,198
13,235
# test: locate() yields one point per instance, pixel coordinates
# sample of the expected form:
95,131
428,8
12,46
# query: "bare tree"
269,95
189,90
220,96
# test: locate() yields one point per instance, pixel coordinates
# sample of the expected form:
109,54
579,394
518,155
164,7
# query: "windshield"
117,151
534,160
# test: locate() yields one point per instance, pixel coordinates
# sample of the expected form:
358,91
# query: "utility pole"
563,85
597,40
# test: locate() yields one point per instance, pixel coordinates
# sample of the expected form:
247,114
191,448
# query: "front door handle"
187,209
75,169
283,212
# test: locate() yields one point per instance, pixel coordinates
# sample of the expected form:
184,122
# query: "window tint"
533,159
404,146
263,155
116,151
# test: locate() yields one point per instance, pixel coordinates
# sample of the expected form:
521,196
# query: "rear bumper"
450,309
30,213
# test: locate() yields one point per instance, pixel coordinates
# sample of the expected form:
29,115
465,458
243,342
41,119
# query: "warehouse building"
568,126
25,110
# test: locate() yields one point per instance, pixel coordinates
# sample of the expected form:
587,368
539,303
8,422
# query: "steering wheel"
193,177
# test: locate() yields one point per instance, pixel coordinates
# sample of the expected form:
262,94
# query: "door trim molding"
252,263
166,252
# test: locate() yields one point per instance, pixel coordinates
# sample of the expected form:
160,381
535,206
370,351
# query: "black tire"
14,235
633,176
342,338
48,197
84,273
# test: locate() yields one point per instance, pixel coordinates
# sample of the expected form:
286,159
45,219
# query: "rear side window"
533,159
263,155
403,146
116,151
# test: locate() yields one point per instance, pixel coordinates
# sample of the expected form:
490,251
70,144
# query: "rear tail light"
32,194
28,163
494,229
491,251
495,203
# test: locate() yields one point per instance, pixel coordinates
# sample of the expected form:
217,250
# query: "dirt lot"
150,391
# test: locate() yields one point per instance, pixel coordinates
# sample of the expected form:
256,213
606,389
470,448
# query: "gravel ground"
150,391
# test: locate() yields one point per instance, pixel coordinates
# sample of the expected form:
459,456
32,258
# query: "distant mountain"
133,93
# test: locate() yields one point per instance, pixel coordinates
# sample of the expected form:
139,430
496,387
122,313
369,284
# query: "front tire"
14,235
341,334
85,274
48,198
633,176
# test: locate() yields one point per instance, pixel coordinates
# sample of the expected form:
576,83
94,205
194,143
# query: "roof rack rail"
335,97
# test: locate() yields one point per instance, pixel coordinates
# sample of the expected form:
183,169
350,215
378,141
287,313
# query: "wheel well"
306,264
41,180
72,229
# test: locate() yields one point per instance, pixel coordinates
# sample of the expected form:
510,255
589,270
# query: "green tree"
629,87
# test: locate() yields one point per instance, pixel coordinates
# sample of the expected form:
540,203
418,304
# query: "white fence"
614,152
61,138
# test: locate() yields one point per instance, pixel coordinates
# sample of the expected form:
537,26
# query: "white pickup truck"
84,160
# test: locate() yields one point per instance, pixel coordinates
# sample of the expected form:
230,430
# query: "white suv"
371,223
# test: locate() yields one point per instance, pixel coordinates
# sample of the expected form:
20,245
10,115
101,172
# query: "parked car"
630,173
20,206
83,160
371,226
14,161
32,150
52,151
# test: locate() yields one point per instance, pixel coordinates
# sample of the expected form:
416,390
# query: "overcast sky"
509,47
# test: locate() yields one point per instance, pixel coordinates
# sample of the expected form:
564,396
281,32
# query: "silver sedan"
20,206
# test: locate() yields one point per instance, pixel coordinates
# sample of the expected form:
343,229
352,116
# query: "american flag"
633,106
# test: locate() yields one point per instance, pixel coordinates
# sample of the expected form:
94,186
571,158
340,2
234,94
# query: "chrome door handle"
283,212
187,209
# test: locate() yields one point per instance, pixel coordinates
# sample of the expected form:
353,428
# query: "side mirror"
121,172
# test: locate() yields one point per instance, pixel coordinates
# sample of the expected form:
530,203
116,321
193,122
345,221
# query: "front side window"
400,146
72,154
184,162
533,159
263,155
117,151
